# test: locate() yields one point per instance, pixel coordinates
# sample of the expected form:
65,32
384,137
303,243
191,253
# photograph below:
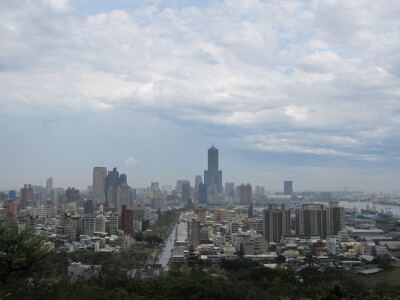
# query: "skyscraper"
230,189
246,194
197,181
185,192
49,186
99,180
123,179
213,176
127,220
179,185
288,187
276,223
88,207
72,195
26,195
154,187
113,180
202,193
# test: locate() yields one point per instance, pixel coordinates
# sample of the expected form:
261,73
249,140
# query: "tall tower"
197,181
111,180
26,195
288,187
213,176
49,186
185,192
203,193
246,194
99,179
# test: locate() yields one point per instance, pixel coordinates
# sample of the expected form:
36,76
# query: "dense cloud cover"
285,89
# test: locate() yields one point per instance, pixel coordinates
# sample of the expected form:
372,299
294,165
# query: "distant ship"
369,211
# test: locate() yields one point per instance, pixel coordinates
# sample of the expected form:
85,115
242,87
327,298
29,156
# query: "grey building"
320,220
99,180
246,194
202,193
197,181
185,192
230,189
276,223
288,187
213,176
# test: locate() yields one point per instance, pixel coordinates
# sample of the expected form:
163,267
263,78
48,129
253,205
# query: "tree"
22,253
384,261
145,225
309,259
281,259
153,239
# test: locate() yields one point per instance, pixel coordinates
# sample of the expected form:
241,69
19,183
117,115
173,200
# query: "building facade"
213,176
288,187
276,223
99,180
320,220
185,192
203,193
246,194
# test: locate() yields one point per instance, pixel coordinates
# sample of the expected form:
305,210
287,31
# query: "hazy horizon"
306,91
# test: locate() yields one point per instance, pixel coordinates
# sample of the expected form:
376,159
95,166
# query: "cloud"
130,161
319,77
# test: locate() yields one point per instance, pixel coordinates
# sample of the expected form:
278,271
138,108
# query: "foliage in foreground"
236,280
22,254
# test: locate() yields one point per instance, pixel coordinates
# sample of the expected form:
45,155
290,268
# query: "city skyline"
305,91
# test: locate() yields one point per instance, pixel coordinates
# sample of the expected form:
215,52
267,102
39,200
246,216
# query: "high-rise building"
197,181
185,192
127,220
72,227
113,223
202,193
157,203
26,194
154,187
89,225
88,207
56,195
112,180
246,194
124,195
100,223
194,233
230,189
276,223
123,179
320,220
258,190
133,195
72,195
179,185
99,180
213,176
49,186
288,187
114,197
12,194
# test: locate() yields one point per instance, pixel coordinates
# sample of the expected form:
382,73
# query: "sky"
307,91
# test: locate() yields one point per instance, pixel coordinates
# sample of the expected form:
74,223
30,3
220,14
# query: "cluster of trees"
238,279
